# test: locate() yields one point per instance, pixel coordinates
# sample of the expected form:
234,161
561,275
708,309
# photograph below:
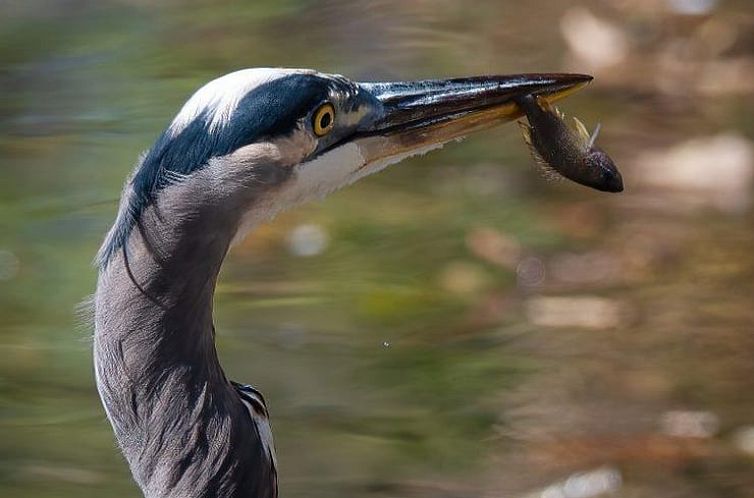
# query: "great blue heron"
244,147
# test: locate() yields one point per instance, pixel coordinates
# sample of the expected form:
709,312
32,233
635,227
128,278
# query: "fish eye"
323,119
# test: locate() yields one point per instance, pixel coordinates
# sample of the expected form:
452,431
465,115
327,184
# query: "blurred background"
453,327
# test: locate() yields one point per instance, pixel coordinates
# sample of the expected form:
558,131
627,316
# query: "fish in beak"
565,148
415,116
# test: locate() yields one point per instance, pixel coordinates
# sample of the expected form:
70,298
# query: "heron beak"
420,115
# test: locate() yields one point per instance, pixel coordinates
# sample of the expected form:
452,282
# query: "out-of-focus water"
454,326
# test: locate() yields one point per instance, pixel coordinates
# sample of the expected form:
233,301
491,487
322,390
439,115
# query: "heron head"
254,142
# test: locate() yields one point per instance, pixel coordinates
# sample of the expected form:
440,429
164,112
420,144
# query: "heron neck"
157,303
155,358
158,375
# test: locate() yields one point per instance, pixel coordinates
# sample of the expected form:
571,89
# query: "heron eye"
324,119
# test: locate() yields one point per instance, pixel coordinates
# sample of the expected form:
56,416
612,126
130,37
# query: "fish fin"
546,106
596,132
547,171
543,103
525,131
581,130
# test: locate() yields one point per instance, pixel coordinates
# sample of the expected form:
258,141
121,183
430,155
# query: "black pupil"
325,119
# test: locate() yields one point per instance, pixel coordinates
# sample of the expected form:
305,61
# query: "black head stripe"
271,109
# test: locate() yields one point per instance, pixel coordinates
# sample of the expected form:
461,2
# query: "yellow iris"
324,119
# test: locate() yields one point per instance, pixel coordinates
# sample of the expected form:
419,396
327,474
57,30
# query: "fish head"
603,173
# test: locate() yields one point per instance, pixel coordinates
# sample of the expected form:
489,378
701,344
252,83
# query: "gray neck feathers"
178,420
